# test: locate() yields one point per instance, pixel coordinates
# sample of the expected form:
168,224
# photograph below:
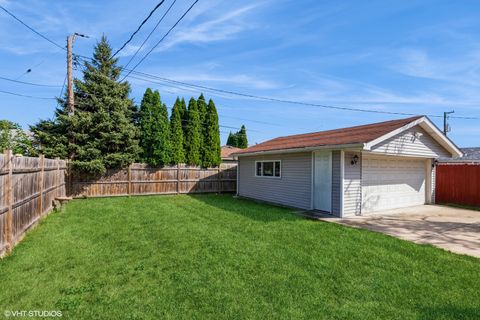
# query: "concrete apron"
453,229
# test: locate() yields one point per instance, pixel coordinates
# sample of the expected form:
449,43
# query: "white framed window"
268,168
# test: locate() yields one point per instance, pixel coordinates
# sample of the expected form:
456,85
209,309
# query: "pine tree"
101,134
242,138
193,134
176,134
202,110
232,140
212,137
155,129
50,138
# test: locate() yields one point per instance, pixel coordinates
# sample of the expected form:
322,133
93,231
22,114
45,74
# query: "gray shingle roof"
469,154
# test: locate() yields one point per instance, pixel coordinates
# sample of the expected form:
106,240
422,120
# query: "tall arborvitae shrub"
194,138
155,130
232,140
202,110
212,137
176,134
184,117
242,141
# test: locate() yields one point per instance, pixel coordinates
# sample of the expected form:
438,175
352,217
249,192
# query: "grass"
213,256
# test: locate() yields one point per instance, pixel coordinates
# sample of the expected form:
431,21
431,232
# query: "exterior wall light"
354,160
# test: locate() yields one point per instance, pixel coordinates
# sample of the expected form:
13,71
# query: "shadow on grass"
450,312
258,211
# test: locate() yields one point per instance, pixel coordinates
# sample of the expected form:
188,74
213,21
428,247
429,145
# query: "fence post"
219,181
68,185
40,181
178,178
129,175
57,178
9,197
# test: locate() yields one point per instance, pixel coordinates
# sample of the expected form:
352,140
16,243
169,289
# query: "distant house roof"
226,152
469,155
364,135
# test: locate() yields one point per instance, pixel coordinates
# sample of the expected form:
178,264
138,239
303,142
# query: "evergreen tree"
242,141
194,138
212,137
184,117
176,134
154,129
202,110
101,134
232,139
50,138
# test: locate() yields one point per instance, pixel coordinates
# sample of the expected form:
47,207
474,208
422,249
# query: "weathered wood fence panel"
458,183
141,179
28,188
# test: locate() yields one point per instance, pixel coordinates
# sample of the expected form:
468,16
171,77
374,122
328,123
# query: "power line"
252,96
257,97
32,29
150,34
215,89
26,96
30,83
166,34
139,27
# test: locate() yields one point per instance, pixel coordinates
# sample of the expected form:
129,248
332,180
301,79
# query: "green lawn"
213,256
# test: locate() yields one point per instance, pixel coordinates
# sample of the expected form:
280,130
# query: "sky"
420,57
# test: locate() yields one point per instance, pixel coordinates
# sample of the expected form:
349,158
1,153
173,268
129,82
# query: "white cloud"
459,69
220,28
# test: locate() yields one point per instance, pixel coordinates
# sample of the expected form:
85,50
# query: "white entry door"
392,182
322,199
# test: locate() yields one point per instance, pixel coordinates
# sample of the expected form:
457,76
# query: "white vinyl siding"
412,142
352,185
292,189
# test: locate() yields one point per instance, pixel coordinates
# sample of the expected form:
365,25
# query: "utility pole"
71,101
446,127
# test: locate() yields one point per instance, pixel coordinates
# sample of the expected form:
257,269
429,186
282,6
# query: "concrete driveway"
456,230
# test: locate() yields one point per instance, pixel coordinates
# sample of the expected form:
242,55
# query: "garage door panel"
392,183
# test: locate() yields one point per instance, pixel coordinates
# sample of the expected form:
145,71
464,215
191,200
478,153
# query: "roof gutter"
297,150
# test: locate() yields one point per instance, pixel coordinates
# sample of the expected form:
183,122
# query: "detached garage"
350,171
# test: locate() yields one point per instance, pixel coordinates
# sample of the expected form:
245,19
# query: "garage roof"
351,136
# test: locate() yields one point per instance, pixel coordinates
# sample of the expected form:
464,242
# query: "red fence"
458,183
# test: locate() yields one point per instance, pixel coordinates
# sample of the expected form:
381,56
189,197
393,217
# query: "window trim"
268,177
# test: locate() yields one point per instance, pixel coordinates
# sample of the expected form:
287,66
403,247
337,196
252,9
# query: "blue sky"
419,57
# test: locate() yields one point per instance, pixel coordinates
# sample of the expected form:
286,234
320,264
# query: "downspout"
238,174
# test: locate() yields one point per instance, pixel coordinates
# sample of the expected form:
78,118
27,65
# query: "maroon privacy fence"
458,183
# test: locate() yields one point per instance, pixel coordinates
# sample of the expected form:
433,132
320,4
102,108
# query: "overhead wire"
26,96
139,27
149,35
160,41
231,92
30,83
32,29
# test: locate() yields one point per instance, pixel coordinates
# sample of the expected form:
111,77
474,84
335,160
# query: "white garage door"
390,183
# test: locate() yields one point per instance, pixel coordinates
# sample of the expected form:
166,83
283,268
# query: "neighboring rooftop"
344,136
226,152
469,155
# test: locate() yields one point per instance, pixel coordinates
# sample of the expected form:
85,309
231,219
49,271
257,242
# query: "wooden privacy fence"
28,188
458,183
141,179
